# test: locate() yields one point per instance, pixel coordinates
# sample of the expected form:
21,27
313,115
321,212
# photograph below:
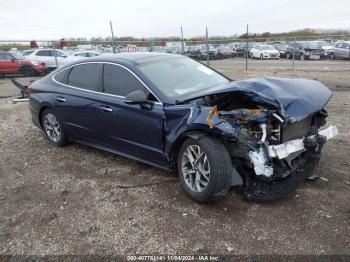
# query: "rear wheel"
302,57
261,57
332,56
204,167
28,71
53,128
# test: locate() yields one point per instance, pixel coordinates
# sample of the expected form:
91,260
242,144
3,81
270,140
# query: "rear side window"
119,81
62,76
85,76
43,53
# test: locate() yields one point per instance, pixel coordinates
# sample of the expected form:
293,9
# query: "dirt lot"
79,200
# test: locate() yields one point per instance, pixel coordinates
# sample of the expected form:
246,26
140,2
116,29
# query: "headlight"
34,63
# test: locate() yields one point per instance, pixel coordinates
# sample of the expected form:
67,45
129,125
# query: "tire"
28,71
302,57
287,56
53,128
332,56
216,183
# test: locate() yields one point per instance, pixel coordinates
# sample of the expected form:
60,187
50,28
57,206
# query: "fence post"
55,51
182,41
206,32
246,52
113,44
295,40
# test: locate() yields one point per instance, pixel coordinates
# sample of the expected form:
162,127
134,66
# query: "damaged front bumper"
284,150
261,162
270,184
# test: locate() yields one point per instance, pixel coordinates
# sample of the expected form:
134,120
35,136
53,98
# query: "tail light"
29,90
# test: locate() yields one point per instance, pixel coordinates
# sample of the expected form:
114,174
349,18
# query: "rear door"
78,100
46,57
132,128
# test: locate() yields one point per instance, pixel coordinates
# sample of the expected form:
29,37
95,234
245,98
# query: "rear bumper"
35,116
284,150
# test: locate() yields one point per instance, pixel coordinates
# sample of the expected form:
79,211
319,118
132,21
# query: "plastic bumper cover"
284,150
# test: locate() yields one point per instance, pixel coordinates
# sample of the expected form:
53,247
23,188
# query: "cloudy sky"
53,19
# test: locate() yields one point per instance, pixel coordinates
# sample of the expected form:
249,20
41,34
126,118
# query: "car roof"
136,57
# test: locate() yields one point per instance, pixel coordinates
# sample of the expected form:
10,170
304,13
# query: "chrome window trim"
102,93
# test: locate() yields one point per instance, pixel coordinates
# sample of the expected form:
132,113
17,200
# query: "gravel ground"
79,200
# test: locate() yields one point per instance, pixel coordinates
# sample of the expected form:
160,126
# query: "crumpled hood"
295,98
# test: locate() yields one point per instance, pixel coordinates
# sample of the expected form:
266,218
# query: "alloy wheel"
195,168
52,127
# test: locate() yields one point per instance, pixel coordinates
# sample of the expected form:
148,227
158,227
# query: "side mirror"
136,97
13,60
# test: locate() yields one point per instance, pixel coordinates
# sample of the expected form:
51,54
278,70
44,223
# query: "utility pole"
206,32
246,52
113,44
182,41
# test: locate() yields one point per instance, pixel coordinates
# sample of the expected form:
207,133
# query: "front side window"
85,76
178,78
119,81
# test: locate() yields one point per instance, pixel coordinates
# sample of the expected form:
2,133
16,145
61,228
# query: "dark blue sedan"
172,112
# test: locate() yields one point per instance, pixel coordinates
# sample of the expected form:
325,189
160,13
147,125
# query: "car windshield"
321,44
17,56
178,78
267,47
311,45
224,48
281,46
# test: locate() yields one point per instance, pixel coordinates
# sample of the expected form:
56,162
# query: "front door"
132,128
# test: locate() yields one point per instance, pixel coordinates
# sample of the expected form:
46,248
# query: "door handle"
106,109
60,99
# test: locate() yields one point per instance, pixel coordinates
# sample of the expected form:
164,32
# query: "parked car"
326,47
14,63
87,53
51,57
243,49
304,50
213,52
281,47
159,49
341,50
142,49
264,52
172,112
225,52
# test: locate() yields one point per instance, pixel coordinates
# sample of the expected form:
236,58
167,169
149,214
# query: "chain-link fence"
37,58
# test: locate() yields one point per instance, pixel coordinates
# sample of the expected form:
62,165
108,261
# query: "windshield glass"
178,78
17,56
311,45
322,44
267,47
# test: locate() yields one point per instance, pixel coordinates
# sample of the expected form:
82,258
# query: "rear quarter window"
85,76
62,76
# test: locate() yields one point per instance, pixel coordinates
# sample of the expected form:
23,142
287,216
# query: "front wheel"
204,167
53,128
332,56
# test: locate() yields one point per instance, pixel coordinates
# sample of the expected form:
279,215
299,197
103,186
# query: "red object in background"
63,43
33,44
143,42
12,63
162,43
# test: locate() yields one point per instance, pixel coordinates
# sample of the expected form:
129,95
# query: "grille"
296,130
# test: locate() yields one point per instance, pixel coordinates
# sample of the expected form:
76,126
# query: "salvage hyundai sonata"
172,112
